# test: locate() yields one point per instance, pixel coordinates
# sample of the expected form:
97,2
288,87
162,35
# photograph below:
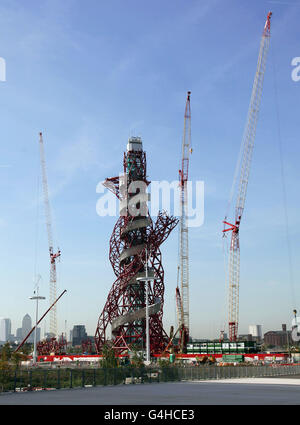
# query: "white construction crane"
183,229
53,256
246,156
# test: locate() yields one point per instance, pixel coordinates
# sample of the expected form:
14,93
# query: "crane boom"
53,256
247,150
179,308
49,309
183,248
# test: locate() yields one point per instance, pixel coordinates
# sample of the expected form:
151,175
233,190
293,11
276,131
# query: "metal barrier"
40,378
230,372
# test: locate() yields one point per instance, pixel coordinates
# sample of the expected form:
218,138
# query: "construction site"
131,320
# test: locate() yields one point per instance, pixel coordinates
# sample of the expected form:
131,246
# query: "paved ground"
286,377
236,391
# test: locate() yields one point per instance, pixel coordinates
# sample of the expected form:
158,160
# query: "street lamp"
37,298
147,279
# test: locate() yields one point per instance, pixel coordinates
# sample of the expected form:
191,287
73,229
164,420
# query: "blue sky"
91,74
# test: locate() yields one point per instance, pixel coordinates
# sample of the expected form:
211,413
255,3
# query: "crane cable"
284,192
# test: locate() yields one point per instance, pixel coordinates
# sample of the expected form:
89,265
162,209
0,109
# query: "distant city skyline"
77,334
77,331
7,333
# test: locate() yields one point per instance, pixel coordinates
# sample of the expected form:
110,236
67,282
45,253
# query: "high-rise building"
5,329
255,331
19,334
78,334
22,332
26,328
38,334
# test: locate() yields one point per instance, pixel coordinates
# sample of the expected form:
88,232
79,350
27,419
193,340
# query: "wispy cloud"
198,12
80,156
75,156
285,3
194,15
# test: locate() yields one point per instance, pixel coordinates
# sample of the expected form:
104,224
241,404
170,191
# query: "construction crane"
183,332
183,229
39,321
180,327
53,256
244,169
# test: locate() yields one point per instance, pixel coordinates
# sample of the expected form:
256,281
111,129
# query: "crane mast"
53,256
247,149
183,229
183,332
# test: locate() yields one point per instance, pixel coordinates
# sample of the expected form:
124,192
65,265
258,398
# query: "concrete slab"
256,381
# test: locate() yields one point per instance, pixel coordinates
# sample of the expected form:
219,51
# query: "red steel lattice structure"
51,345
135,237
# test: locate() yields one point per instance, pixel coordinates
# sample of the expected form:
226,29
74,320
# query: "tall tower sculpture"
135,240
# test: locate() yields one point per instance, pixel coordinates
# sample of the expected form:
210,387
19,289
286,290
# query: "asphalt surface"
257,391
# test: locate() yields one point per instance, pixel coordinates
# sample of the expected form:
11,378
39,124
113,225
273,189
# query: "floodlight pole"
37,298
146,279
147,315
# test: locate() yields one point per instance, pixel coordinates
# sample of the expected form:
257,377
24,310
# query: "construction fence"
57,378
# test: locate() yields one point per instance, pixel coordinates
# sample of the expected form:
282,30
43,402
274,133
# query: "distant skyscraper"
78,334
5,329
38,334
19,334
255,331
26,328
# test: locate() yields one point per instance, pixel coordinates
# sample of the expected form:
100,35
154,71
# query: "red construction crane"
183,332
246,156
183,229
53,256
29,333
